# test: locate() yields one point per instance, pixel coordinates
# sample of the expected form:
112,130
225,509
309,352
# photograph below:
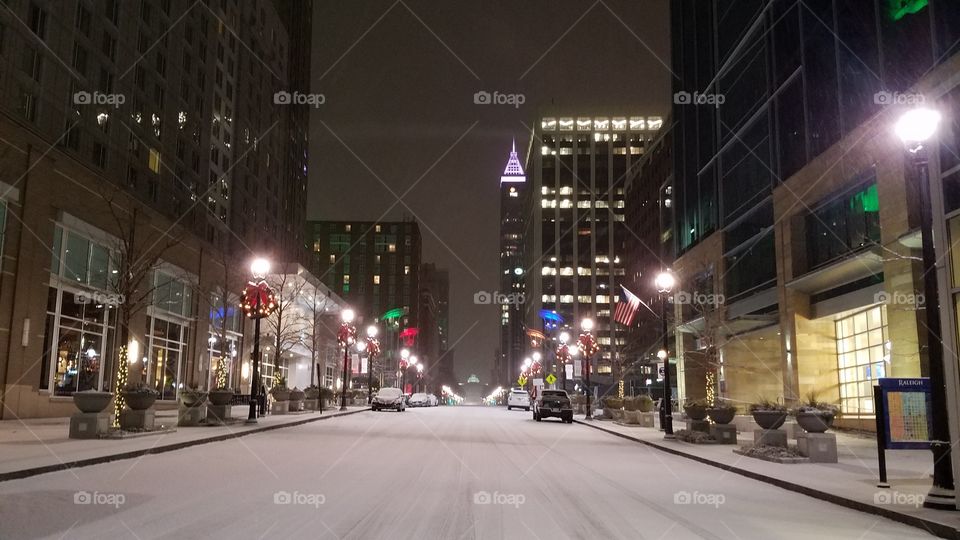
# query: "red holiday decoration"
563,353
409,336
588,345
347,334
373,346
258,300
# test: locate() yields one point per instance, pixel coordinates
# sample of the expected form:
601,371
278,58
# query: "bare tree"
135,257
288,324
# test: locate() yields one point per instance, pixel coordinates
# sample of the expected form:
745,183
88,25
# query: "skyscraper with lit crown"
513,185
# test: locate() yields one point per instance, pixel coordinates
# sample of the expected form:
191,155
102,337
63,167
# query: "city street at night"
442,472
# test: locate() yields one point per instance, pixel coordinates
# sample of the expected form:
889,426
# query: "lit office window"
862,358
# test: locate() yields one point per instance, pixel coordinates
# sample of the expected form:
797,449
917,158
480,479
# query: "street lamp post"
258,302
404,359
373,349
419,377
588,346
916,127
413,364
562,357
665,283
346,337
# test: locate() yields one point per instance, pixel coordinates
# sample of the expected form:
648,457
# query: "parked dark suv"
555,403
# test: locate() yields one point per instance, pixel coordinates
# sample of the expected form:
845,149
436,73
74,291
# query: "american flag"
627,307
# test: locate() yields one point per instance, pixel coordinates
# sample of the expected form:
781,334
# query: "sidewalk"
36,446
852,482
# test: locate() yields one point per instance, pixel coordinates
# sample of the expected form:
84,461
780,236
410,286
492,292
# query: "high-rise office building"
574,232
154,117
373,266
513,190
434,323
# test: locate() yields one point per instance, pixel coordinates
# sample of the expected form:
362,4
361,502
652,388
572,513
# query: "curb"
941,530
26,473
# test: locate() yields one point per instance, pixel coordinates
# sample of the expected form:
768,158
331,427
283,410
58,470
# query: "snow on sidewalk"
37,443
854,478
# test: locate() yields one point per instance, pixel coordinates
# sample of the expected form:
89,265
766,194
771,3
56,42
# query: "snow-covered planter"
220,396
139,397
192,397
92,401
815,416
311,392
613,407
696,409
768,414
296,399
280,393
644,403
630,413
722,412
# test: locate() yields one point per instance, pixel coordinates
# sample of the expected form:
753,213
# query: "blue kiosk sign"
906,413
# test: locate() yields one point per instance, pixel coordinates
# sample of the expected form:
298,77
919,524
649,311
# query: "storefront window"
168,344
77,334
862,358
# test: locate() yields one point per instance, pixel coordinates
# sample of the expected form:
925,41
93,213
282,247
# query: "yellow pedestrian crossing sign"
551,378
522,381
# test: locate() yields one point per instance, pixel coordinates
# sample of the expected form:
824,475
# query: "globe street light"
665,283
404,355
419,376
257,302
914,128
588,346
373,349
346,336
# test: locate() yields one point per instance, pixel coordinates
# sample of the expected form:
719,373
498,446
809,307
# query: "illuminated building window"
346,227
333,259
862,357
566,124
376,280
637,123
548,124
654,122
154,161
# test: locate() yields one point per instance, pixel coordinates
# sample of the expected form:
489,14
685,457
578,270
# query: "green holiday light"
898,9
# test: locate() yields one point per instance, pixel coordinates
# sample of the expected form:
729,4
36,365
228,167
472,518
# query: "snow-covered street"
443,472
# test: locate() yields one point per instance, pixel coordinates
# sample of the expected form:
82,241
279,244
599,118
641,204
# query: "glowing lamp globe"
917,125
260,267
564,337
347,316
371,331
665,282
586,325
662,354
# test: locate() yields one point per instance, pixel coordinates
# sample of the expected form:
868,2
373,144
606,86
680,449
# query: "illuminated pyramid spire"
513,172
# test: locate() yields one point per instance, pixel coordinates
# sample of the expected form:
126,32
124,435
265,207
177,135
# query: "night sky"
399,121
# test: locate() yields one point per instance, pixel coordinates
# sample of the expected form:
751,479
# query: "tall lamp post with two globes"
373,350
665,283
914,128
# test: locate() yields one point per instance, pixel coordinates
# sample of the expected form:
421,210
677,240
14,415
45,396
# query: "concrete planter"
769,419
92,401
695,412
280,407
139,401
631,417
813,422
221,396
280,394
193,399
722,416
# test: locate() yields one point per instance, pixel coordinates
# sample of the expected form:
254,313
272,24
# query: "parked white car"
434,400
420,399
518,398
388,398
